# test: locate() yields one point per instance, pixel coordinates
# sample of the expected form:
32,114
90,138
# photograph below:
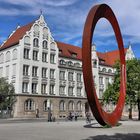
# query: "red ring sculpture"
104,118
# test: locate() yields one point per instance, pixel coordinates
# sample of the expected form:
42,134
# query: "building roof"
16,36
66,50
110,57
69,51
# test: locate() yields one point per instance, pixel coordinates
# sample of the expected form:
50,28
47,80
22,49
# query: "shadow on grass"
117,136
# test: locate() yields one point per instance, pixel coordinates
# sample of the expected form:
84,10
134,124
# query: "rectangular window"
79,91
107,81
24,87
43,88
7,71
34,71
14,70
100,94
26,53
34,88
62,75
44,57
35,55
100,80
79,77
52,72
70,76
52,58
62,90
70,91
51,89
44,72
25,70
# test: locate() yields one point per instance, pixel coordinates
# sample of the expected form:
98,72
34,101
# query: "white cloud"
60,2
68,16
43,2
128,15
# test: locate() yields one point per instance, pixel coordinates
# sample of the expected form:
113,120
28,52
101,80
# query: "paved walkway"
42,130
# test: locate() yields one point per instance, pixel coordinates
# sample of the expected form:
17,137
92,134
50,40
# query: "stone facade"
47,75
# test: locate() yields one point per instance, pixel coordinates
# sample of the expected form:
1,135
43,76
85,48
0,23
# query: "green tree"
133,85
7,95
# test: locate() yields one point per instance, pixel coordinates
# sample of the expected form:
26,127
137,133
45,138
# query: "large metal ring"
104,118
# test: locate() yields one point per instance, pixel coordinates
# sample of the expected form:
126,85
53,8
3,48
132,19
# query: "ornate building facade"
47,74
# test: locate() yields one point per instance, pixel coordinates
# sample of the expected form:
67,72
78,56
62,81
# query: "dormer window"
102,61
74,55
60,51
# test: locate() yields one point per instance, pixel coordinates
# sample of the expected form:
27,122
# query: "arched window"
45,32
77,64
71,106
1,58
70,63
109,71
62,62
14,54
26,40
104,69
45,44
36,42
36,28
62,106
79,106
94,63
8,56
47,105
52,46
29,105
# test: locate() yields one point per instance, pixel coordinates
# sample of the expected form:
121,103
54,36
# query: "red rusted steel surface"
97,12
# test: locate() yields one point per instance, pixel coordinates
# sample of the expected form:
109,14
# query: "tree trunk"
138,109
138,114
130,112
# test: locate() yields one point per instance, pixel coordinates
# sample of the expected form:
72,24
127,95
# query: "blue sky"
66,19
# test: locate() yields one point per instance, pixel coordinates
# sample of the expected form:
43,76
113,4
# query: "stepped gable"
66,50
16,36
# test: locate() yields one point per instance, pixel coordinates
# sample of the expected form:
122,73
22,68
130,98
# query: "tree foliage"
7,94
132,85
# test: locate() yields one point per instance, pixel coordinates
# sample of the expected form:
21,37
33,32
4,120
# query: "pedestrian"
49,115
70,117
76,116
88,117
